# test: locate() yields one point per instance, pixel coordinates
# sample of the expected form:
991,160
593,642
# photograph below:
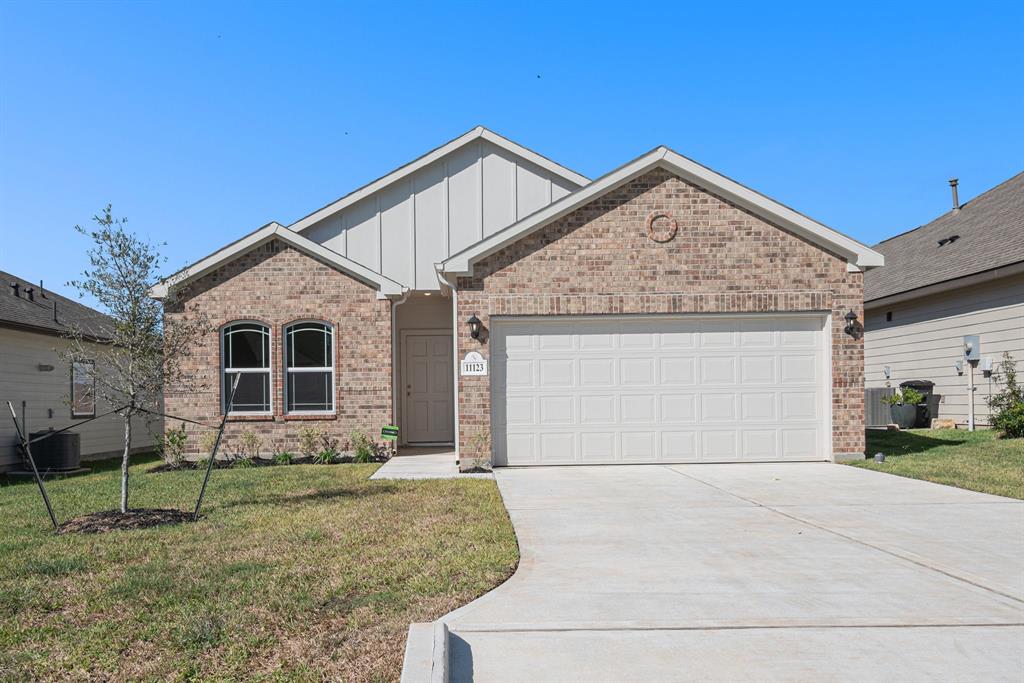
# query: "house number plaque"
473,364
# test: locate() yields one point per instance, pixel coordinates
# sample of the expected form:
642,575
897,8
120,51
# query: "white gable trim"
858,255
477,133
272,231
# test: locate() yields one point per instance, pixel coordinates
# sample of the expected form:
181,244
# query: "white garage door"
659,389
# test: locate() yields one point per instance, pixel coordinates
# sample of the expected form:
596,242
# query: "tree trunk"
124,461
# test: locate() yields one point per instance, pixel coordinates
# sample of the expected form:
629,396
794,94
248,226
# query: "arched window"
246,353
309,368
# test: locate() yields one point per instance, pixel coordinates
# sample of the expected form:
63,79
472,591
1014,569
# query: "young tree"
140,354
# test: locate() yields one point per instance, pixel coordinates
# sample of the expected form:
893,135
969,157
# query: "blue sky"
201,122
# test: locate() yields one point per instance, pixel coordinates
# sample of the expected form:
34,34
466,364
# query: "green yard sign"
389,433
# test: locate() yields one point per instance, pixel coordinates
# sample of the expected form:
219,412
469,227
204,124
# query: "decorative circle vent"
661,227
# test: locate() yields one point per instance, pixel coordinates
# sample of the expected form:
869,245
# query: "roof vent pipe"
15,286
953,182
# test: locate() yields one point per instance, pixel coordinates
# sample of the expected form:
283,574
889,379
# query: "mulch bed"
115,520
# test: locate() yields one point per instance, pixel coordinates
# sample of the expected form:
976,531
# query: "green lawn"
302,572
980,461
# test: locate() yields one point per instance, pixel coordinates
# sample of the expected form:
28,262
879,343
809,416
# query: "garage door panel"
718,370
597,372
659,389
678,371
676,408
638,409
636,371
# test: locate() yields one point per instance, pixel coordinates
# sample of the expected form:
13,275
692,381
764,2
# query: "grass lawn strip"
294,573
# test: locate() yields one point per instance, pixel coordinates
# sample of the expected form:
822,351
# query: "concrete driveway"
788,572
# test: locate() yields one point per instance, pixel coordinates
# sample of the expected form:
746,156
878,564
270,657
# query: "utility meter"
972,348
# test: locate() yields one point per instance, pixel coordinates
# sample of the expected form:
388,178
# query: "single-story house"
46,392
488,298
961,274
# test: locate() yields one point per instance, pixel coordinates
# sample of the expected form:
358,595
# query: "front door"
427,382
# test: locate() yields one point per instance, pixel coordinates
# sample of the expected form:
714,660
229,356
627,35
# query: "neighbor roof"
857,254
38,313
478,133
272,231
989,232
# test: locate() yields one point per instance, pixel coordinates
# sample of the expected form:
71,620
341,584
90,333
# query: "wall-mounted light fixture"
851,324
888,372
959,365
474,326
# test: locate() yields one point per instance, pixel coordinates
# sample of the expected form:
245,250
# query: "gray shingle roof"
37,313
991,234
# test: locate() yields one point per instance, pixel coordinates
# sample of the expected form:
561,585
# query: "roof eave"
385,286
858,256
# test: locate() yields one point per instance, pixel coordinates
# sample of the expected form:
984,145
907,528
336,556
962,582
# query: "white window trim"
269,370
287,371
92,376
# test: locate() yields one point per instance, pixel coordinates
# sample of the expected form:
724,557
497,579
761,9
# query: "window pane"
246,346
310,391
253,393
309,346
83,400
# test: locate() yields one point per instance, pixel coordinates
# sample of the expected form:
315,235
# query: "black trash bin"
928,410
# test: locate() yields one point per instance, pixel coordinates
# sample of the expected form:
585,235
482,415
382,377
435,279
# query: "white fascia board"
429,158
385,286
858,255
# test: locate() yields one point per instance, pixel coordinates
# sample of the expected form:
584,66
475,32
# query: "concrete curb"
426,654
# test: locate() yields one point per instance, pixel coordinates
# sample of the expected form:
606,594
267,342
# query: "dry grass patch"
294,573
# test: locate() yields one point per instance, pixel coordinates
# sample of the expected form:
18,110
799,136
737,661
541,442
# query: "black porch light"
474,326
851,319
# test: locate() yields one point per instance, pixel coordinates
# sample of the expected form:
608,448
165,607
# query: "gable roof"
402,172
858,255
272,231
990,234
40,313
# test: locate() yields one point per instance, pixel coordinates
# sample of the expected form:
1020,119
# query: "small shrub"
907,396
284,458
171,445
242,462
1010,421
325,457
363,448
310,440
206,442
1007,407
251,443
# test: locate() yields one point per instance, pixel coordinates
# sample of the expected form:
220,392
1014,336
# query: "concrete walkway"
788,572
424,463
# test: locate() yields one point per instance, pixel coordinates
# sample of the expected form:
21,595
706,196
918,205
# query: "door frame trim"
403,347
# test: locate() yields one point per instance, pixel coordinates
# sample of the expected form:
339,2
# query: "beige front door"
427,382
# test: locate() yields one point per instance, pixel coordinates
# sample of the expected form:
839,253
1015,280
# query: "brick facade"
599,259
277,285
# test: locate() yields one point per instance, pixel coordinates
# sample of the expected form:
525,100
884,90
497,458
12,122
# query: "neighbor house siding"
599,260
277,285
925,338
21,354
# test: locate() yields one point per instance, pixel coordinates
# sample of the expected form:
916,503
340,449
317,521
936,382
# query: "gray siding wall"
925,337
402,230
21,353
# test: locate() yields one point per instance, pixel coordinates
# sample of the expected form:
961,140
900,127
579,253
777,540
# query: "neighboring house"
42,387
962,274
661,313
